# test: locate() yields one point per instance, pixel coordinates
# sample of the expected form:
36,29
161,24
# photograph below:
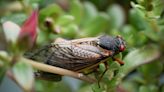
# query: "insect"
80,54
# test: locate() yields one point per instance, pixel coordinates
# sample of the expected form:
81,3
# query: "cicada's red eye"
121,48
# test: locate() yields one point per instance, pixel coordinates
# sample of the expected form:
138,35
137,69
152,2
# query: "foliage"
140,22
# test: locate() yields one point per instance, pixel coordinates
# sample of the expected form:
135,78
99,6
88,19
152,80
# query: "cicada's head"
120,43
116,44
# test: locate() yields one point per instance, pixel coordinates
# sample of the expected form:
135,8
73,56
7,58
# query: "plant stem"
52,69
57,70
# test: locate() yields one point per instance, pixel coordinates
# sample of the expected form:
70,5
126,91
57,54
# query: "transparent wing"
68,55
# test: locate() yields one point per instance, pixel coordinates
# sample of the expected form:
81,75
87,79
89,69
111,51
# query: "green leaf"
76,10
69,31
52,10
114,66
137,19
150,71
129,34
17,18
47,86
101,67
162,88
117,16
144,89
23,74
65,20
85,89
130,86
148,88
11,31
153,35
96,25
158,7
90,11
138,57
96,88
2,73
3,64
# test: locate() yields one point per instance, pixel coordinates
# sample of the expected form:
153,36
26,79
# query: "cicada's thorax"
113,44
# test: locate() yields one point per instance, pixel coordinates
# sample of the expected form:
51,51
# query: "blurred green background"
139,22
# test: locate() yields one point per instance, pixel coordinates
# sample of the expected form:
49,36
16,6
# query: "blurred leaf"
23,74
158,7
130,86
43,37
3,56
148,88
117,16
102,67
144,89
43,3
137,19
65,20
11,31
32,1
70,31
2,73
138,57
76,10
161,40
144,20
153,35
17,18
96,88
137,78
114,66
52,10
85,89
162,90
150,71
132,37
147,4
129,34
153,88
46,86
140,38
3,64
96,25
90,10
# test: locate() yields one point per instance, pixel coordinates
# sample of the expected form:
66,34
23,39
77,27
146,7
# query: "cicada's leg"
106,68
118,60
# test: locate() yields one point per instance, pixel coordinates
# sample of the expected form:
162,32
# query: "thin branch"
52,69
57,70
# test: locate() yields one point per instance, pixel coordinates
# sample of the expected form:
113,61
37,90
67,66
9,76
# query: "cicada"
79,55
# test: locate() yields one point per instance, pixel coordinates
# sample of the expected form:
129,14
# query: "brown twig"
53,69
57,70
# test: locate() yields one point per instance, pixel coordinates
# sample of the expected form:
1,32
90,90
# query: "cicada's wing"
86,41
72,57
69,56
